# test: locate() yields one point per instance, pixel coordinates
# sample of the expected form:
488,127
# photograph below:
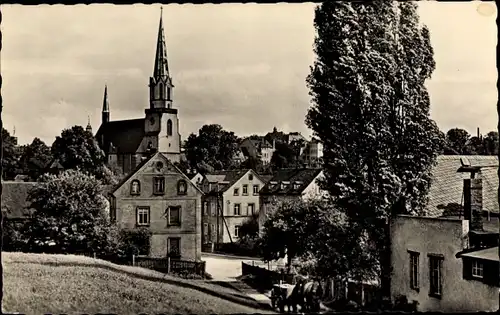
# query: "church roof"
125,135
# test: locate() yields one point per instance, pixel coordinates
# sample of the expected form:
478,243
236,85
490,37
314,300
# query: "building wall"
313,190
190,229
229,199
441,236
266,155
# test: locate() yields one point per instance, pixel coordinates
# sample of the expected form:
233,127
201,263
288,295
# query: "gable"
156,165
244,179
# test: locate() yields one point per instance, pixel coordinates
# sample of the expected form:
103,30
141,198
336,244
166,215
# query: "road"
225,267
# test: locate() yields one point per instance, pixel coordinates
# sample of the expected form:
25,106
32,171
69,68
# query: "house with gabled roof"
449,260
159,197
258,148
231,198
289,184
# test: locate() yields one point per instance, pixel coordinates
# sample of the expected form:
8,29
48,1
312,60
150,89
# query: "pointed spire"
105,106
89,127
105,102
161,62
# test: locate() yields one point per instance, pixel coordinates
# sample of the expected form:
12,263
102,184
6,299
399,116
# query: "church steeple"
89,127
160,84
105,106
161,61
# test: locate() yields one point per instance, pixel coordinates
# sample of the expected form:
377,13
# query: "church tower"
162,123
89,126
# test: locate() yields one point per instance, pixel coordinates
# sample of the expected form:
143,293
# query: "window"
255,189
181,187
245,190
212,208
159,185
160,88
205,229
296,186
174,216
169,127
237,209
168,94
174,247
212,231
477,269
236,192
135,187
205,208
435,275
237,231
251,209
250,176
414,262
143,216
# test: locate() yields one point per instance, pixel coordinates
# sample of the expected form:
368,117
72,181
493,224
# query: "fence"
266,277
167,265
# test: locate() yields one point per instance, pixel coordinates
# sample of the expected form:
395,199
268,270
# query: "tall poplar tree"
371,111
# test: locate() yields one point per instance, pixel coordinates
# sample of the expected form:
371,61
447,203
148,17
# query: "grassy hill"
39,283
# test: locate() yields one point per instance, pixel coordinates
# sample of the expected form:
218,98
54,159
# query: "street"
224,267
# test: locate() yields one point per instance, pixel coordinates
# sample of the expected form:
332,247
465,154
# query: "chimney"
478,132
473,203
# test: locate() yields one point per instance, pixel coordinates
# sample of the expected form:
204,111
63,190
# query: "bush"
13,237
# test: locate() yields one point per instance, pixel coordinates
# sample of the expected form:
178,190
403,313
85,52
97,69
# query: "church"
127,143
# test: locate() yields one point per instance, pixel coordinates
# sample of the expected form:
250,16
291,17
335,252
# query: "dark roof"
266,178
229,176
302,177
125,135
486,254
447,185
14,199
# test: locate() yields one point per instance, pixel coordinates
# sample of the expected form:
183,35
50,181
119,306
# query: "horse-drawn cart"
279,295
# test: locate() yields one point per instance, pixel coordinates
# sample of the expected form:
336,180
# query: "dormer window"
181,187
135,187
283,185
297,185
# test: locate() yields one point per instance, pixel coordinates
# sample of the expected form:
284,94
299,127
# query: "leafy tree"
456,140
474,146
35,158
490,143
10,156
213,146
371,112
77,148
284,156
70,213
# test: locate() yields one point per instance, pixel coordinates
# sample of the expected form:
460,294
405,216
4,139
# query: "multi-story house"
289,184
159,197
312,152
231,198
449,261
258,148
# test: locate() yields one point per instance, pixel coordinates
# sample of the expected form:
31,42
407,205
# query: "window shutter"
467,268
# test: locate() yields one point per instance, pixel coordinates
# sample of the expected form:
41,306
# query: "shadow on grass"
238,299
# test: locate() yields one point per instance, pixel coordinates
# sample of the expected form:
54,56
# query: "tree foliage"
456,141
35,158
213,146
77,148
10,156
459,141
371,112
70,211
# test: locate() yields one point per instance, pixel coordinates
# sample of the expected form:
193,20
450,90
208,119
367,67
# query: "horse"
312,292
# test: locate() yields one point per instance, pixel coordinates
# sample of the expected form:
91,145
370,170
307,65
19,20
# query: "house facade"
127,142
259,149
159,197
449,262
289,184
426,268
231,198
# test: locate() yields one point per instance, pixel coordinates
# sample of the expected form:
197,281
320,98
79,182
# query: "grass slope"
38,283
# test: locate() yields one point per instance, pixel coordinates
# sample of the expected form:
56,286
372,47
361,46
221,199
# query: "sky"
242,66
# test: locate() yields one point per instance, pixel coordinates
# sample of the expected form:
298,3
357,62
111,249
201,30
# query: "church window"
169,127
181,187
160,87
168,94
135,187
